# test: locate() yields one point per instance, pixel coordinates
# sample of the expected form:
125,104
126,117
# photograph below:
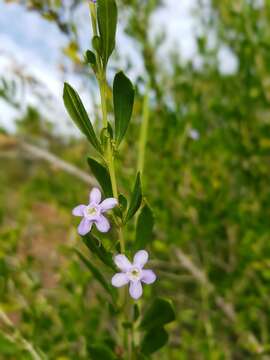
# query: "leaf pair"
123,98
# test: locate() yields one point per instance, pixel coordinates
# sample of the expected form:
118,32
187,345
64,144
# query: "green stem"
93,14
111,167
109,157
122,240
143,133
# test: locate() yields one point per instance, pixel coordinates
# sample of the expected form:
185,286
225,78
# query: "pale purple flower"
134,274
194,134
93,212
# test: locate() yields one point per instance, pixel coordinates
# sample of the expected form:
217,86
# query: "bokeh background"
207,177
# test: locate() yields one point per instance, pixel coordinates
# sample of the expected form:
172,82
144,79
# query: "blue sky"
34,46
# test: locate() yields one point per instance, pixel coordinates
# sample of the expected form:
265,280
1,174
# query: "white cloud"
176,21
228,62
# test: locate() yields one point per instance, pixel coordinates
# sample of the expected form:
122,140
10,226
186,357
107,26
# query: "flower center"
135,274
91,211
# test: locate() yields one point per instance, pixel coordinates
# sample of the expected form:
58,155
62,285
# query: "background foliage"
210,197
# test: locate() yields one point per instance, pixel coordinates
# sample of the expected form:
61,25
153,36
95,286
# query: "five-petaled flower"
134,274
93,212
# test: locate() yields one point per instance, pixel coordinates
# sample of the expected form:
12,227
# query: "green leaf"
123,99
136,199
102,176
96,43
154,340
97,274
95,246
79,115
101,351
107,20
161,312
90,57
122,202
144,228
120,210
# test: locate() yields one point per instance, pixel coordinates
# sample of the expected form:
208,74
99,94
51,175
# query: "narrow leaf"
136,199
144,228
107,20
154,340
79,115
123,99
98,249
97,274
159,313
102,176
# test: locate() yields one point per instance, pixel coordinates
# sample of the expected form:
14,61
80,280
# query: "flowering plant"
139,332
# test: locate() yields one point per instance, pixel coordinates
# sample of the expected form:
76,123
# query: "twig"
43,154
61,164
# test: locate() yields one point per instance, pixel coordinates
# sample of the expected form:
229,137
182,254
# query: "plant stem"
93,14
110,161
143,132
109,157
121,240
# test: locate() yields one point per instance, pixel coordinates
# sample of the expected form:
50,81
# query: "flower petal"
135,289
85,226
108,204
122,262
140,258
119,279
79,210
148,276
102,224
95,196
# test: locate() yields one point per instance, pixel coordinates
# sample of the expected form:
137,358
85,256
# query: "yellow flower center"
91,211
135,272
